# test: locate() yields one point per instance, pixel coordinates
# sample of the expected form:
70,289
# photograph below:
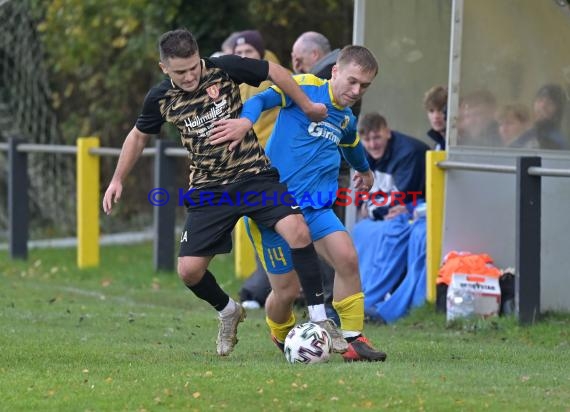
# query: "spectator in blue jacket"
398,163
391,250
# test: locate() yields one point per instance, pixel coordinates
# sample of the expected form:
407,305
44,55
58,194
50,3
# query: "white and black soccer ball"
307,343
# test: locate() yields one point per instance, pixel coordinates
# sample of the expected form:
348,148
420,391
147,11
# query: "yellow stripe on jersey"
335,104
353,144
305,79
256,238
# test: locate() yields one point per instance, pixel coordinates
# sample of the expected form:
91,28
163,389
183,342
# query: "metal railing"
528,173
88,153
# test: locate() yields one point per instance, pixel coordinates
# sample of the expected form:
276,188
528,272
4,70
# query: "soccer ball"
307,343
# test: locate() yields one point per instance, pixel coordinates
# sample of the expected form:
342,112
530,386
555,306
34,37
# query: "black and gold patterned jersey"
193,113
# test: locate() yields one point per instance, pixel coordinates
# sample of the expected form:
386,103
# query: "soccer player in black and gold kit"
199,94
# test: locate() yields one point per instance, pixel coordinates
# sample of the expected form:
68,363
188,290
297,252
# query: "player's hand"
112,195
316,112
230,130
363,181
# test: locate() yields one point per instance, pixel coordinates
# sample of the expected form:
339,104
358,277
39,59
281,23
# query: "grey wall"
480,218
410,38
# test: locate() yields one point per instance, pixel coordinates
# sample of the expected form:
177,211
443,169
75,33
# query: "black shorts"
213,212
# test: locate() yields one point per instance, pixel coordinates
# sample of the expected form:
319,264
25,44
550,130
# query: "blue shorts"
272,250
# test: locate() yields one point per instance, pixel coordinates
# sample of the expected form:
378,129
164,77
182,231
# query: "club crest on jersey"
345,122
213,91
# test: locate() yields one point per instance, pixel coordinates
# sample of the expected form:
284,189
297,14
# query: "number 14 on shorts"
276,255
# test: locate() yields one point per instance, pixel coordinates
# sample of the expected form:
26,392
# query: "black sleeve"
242,69
150,120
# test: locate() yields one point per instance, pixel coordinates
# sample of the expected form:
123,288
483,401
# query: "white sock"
229,309
317,313
350,333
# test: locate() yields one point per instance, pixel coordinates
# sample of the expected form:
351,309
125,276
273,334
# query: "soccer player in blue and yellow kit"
307,158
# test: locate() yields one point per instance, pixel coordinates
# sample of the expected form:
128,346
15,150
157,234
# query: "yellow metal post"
435,200
244,253
88,204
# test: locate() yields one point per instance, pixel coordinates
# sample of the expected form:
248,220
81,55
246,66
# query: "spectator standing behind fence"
198,96
312,48
435,105
227,45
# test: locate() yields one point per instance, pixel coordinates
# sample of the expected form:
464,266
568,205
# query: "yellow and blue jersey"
306,152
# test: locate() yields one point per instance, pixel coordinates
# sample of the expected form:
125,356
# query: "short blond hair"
359,55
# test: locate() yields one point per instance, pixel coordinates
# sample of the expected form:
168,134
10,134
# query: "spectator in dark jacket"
398,163
435,104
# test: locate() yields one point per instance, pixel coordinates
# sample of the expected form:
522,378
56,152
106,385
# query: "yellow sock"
280,330
351,313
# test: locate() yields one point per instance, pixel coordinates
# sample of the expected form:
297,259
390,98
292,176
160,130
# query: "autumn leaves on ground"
121,337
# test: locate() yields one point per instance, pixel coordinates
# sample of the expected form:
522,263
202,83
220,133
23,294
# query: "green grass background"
123,338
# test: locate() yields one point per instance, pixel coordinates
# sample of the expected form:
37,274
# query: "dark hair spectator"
548,110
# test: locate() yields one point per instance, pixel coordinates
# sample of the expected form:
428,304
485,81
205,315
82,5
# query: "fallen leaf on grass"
196,395
155,285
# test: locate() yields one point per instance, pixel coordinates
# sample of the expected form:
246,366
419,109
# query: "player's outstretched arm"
230,130
131,151
283,79
234,130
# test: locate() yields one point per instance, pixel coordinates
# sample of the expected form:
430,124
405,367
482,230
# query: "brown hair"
177,43
371,121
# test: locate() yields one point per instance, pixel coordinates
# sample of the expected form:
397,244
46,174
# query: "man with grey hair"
312,54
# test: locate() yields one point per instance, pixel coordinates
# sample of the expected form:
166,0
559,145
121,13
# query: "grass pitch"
123,338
